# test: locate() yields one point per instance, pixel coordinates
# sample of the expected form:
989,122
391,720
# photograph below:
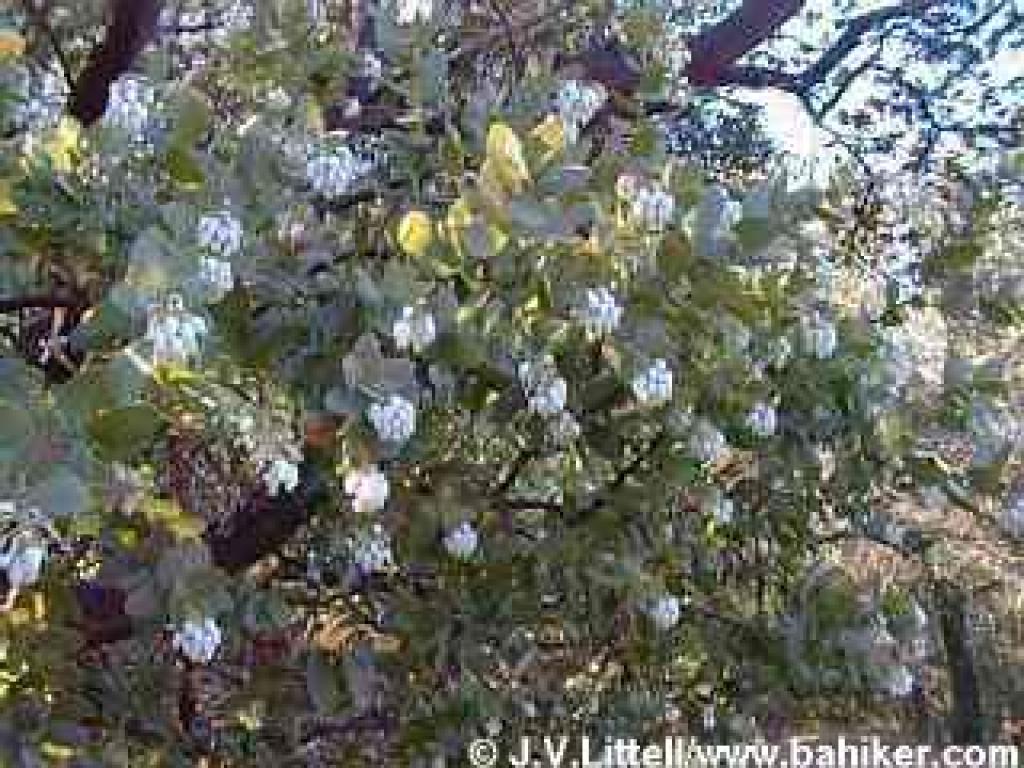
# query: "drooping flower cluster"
220,233
394,420
462,541
707,443
411,11
665,611
271,447
333,173
22,554
198,640
368,488
653,386
713,221
1012,518
216,278
762,419
649,206
281,475
577,103
545,389
132,101
723,508
174,333
414,329
820,337
370,549
564,428
43,102
601,313
898,681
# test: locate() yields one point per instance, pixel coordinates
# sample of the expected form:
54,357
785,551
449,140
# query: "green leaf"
183,167
123,433
16,432
193,118
322,684
61,494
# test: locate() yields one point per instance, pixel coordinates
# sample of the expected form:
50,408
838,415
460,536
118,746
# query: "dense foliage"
368,387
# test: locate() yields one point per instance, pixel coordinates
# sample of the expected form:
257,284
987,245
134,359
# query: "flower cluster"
216,278
762,419
394,420
577,104
174,333
368,488
545,389
665,611
271,448
415,329
411,11
461,542
281,475
21,556
332,173
723,508
653,386
820,337
371,550
44,101
649,205
707,443
132,100
1012,519
220,233
198,640
564,428
601,314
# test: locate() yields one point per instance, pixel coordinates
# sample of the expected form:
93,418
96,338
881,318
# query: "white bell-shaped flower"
220,233
368,488
216,277
394,420
546,391
23,560
763,420
197,640
665,611
653,386
371,550
577,105
707,443
411,11
462,542
821,338
281,475
601,314
415,329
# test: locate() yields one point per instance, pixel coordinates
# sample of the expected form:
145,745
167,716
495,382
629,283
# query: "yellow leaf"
505,155
62,146
415,233
7,206
551,134
12,45
460,216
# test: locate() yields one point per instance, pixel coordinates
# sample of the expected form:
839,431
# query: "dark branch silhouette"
133,24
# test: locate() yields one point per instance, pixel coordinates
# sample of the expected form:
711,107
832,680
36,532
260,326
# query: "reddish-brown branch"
716,50
133,24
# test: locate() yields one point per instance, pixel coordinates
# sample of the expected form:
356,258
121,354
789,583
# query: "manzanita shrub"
344,430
